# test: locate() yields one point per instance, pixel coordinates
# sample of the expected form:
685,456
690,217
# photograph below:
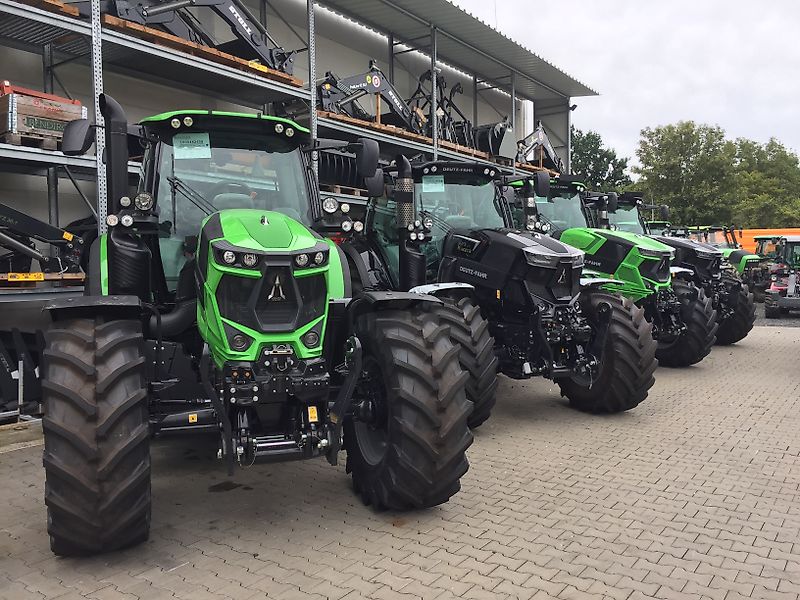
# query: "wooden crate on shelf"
32,118
177,43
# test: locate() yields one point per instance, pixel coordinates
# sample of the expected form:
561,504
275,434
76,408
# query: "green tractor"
726,238
213,306
683,318
524,308
695,262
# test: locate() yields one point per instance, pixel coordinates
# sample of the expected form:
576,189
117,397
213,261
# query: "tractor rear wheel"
628,361
406,442
470,330
96,438
738,325
700,319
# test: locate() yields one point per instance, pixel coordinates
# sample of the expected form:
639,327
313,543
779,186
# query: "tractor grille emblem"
562,277
277,294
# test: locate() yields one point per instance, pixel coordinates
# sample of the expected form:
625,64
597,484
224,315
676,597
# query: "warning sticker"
191,145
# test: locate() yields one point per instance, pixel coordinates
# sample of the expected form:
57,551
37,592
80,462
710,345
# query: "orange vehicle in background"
747,237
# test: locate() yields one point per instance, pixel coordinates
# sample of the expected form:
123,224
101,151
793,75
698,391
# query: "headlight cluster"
310,260
707,255
656,253
248,260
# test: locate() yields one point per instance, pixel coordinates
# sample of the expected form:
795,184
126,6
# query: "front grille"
277,301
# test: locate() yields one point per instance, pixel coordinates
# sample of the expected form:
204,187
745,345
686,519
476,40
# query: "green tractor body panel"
103,241
639,263
275,301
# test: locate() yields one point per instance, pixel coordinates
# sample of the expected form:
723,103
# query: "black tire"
772,312
738,325
96,438
700,318
415,456
470,330
628,361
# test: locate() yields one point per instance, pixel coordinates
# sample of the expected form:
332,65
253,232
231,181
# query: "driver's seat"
229,200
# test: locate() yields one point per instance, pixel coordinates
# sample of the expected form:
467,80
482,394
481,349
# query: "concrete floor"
695,494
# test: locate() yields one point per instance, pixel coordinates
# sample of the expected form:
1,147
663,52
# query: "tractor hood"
634,239
264,230
704,250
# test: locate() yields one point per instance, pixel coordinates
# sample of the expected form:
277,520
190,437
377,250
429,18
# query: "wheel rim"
372,433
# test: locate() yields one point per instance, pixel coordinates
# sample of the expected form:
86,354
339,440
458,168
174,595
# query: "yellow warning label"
498,294
26,276
68,236
312,414
193,418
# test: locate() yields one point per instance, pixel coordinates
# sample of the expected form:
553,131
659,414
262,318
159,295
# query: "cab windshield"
792,254
203,172
626,218
459,205
766,248
200,173
561,211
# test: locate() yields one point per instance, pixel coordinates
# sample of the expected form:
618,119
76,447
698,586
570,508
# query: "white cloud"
731,63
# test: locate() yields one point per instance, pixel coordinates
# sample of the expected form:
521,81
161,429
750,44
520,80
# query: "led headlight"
707,255
330,205
301,260
427,223
143,201
176,123
188,121
126,220
345,207
311,339
358,227
289,132
347,225
239,341
279,128
112,220
249,259
228,257
650,253
125,201
319,257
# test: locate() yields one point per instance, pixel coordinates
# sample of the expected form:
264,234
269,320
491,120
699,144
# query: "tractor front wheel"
470,330
96,438
407,439
628,358
738,325
700,319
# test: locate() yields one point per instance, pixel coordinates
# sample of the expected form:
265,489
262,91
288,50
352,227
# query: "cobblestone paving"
692,495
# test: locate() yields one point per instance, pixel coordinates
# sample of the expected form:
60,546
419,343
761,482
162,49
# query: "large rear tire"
700,318
470,330
96,438
628,361
738,325
411,453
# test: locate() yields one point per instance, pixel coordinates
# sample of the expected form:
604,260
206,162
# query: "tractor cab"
767,246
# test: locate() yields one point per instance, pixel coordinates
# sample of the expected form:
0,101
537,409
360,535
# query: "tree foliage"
708,179
598,166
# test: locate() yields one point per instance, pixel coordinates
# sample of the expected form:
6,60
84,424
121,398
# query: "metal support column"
513,118
100,140
434,107
391,58
52,172
312,74
474,100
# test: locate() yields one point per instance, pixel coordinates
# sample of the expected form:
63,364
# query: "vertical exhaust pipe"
412,261
116,154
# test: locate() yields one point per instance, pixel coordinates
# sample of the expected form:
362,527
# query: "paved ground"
693,495
790,320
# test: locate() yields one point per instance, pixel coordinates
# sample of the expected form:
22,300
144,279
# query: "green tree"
691,168
767,185
598,166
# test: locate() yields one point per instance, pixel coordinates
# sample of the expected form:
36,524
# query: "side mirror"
78,137
367,157
612,202
541,184
374,184
663,212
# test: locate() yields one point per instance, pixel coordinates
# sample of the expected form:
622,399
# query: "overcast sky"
731,63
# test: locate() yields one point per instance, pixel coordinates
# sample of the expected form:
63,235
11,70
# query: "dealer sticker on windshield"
433,183
191,145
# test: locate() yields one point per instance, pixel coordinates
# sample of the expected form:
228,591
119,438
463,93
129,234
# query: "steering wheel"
233,187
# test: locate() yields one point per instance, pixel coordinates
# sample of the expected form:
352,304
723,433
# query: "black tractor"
525,309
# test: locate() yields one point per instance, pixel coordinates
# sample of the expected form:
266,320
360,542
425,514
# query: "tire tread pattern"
695,343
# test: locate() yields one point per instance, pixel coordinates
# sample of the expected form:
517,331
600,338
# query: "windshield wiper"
193,195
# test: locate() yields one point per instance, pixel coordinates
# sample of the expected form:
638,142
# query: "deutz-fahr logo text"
473,272
239,18
592,262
